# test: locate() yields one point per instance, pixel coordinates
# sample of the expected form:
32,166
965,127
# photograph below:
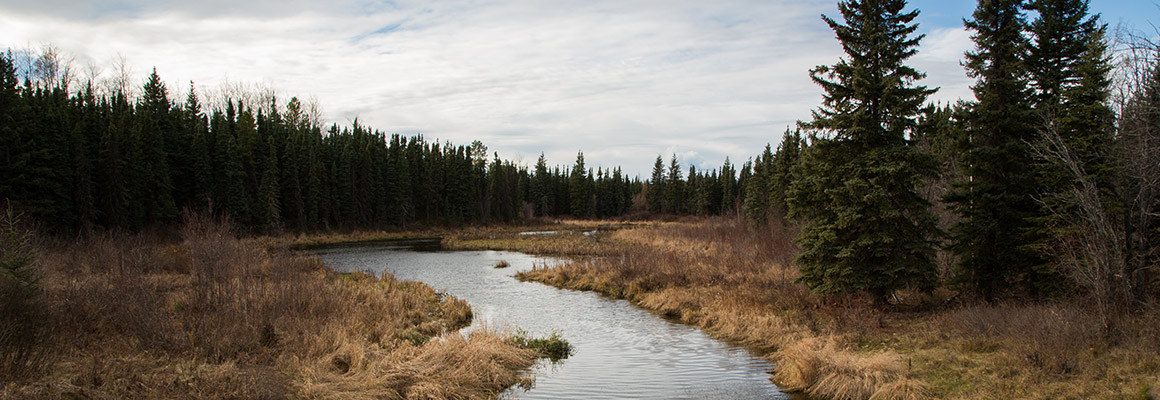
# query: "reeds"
214,317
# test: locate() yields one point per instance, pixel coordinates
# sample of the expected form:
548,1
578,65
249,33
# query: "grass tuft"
553,347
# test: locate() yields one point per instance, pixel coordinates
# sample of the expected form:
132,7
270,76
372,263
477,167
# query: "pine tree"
1069,74
996,203
656,187
728,187
867,228
675,188
578,188
154,129
757,192
787,156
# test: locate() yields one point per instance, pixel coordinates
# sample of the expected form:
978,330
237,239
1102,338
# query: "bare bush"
1091,252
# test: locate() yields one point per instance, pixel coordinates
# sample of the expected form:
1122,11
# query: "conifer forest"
1041,190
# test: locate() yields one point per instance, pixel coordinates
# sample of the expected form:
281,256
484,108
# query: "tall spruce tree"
996,201
675,188
1069,74
656,187
155,129
580,192
866,227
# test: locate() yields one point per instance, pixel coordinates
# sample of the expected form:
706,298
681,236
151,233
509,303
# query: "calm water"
621,351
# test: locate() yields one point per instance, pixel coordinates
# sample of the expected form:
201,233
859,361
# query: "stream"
621,350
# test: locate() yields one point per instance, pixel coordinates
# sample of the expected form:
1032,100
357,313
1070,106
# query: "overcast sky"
623,81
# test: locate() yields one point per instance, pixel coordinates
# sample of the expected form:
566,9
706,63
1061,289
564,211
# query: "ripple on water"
621,351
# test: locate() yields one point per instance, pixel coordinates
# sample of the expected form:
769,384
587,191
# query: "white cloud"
622,81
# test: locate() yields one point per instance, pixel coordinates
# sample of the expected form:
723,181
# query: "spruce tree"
1069,74
656,187
675,188
154,130
728,187
787,156
579,191
996,201
757,190
866,227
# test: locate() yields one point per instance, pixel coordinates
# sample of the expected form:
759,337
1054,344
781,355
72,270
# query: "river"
621,351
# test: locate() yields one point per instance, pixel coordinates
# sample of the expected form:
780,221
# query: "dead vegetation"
738,285
131,316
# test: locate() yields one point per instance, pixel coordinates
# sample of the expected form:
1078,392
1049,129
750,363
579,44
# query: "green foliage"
579,188
866,227
553,347
674,188
656,187
1070,77
996,200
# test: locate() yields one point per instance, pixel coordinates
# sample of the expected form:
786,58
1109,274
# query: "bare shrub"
1049,337
1092,251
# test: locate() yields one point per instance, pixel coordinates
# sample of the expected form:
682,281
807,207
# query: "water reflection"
621,351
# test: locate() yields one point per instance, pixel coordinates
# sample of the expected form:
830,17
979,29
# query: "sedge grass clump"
553,347
502,264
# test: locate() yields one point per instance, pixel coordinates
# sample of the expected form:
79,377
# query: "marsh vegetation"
208,316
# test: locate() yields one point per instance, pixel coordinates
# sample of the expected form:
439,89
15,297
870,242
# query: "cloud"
622,81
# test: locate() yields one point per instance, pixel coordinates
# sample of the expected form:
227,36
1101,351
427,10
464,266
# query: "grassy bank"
559,238
738,285
131,316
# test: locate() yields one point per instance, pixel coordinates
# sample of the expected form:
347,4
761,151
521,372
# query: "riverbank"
133,316
738,285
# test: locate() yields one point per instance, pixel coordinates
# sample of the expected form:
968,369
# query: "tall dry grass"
212,317
569,238
737,283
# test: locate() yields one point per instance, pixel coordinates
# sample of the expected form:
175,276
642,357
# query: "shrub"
22,306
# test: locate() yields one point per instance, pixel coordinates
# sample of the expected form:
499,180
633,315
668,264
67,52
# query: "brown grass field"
130,316
738,285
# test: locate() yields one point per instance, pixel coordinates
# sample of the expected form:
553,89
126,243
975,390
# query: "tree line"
1044,185
77,160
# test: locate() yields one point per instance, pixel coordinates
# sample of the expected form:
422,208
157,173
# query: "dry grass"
567,238
213,317
302,241
738,285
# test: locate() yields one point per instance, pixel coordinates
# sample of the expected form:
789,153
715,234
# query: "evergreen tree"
787,156
1069,74
728,187
656,187
578,188
996,202
674,188
154,129
541,188
867,228
757,192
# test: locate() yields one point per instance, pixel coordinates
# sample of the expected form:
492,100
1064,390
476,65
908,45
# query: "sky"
622,81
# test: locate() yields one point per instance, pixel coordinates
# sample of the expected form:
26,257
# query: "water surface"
621,351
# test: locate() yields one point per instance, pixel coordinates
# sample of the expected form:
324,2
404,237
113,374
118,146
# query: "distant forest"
78,160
